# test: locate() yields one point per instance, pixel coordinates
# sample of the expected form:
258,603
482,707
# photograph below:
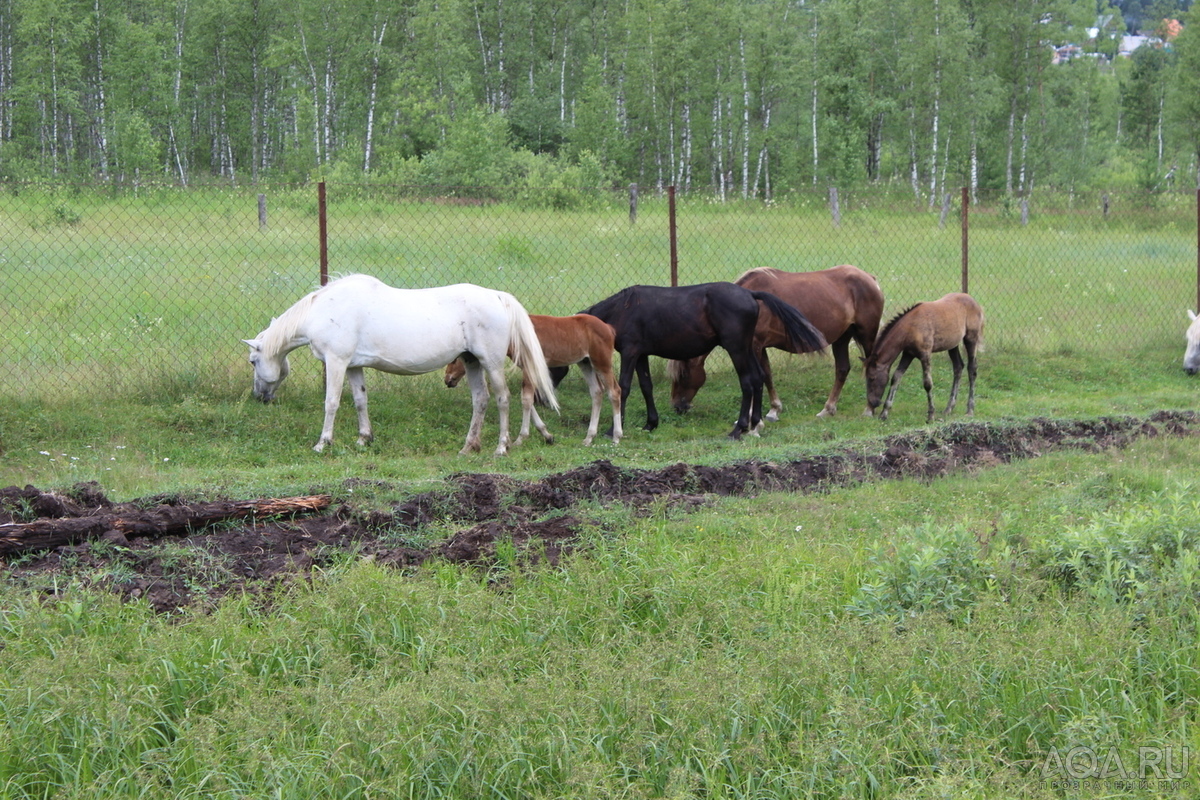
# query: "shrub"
931,568
1148,552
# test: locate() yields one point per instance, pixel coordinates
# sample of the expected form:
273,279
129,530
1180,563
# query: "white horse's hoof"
319,446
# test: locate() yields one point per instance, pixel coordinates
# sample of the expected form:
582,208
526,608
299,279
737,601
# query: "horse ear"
1191,315
253,343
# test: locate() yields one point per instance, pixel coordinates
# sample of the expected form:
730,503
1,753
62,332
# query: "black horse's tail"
802,336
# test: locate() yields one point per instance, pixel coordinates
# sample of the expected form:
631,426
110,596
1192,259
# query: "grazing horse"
844,303
682,322
581,339
1191,357
358,321
918,332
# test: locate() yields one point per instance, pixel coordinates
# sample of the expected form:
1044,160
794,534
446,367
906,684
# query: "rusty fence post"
966,204
673,234
323,233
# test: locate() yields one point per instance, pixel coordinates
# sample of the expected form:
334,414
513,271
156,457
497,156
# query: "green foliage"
928,568
1149,552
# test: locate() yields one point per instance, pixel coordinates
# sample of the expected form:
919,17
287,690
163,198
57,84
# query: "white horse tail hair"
526,351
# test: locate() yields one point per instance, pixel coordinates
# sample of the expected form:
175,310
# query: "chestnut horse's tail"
525,350
803,337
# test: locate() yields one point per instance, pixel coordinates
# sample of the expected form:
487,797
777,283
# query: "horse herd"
357,322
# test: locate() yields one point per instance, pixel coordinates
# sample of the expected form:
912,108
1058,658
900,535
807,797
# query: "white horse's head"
269,370
1191,357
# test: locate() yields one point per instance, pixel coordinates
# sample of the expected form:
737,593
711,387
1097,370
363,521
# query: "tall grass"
708,654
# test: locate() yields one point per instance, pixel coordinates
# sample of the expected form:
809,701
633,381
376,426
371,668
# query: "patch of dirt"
499,517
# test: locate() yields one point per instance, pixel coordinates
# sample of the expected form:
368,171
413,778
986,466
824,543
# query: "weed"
930,568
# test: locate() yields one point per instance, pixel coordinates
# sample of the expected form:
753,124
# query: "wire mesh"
150,289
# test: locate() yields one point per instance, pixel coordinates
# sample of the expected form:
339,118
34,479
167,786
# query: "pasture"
919,633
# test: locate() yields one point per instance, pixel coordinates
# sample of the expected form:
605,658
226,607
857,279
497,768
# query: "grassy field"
906,639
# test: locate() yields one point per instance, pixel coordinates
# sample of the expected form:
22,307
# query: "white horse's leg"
479,399
500,387
358,390
335,375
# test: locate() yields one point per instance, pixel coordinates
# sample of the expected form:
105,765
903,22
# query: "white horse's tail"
526,351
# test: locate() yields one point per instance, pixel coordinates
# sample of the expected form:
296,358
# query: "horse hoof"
319,446
773,416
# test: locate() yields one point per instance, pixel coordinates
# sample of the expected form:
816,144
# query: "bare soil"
541,518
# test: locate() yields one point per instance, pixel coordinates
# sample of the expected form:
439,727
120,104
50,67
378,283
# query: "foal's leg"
957,363
358,390
603,369
927,369
479,399
905,360
528,412
335,376
969,346
595,392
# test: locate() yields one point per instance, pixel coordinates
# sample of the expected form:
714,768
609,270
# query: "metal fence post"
322,233
966,204
672,232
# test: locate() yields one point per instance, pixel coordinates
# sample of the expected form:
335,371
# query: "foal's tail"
802,336
526,351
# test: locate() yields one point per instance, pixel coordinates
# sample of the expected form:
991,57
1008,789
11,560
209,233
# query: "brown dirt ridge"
196,564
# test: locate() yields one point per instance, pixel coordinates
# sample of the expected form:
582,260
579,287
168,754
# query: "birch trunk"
377,41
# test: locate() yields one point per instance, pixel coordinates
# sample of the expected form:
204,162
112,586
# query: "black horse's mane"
892,322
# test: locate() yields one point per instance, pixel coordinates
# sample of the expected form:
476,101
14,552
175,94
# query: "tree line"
741,98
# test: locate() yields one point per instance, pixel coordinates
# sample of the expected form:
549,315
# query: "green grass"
725,652
702,654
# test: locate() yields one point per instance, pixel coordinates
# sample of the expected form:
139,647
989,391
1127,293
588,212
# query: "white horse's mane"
283,328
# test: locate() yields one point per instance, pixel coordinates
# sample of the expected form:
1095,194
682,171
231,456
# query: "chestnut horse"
683,322
918,332
581,339
844,303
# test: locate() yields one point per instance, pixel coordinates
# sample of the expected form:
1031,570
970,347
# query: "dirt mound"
501,517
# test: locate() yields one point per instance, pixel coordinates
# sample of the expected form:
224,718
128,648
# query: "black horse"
681,322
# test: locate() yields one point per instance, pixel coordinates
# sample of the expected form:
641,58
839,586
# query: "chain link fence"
150,289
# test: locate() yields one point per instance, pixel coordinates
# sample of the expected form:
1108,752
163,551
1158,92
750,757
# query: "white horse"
358,321
1191,357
